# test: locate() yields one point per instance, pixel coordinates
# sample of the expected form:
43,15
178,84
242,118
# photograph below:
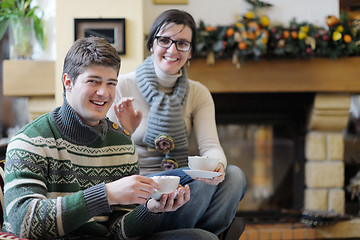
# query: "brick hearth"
277,232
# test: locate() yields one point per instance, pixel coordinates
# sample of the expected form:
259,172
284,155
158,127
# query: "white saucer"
201,174
157,196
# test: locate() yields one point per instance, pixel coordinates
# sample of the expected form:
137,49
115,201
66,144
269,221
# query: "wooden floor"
277,231
349,229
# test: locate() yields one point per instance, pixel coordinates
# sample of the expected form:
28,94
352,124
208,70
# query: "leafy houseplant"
20,16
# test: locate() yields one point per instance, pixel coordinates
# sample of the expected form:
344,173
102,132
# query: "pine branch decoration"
258,3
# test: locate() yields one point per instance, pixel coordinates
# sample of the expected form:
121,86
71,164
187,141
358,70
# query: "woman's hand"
127,116
168,202
215,180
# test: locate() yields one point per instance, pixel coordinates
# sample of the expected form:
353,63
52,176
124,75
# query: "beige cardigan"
198,113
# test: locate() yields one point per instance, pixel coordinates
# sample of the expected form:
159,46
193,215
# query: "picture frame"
170,1
111,29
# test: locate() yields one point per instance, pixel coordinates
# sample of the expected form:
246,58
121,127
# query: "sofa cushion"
9,236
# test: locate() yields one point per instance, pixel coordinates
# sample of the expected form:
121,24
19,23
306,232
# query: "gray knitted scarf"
166,131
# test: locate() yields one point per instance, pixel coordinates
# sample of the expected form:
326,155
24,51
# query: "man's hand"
215,180
127,116
133,189
168,203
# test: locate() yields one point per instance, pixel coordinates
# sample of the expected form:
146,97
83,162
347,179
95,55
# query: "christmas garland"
253,37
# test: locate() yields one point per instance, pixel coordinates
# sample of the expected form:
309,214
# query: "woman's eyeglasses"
166,42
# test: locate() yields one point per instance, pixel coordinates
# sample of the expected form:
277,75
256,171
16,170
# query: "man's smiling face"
92,94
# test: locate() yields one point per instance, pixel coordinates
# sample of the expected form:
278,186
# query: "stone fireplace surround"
324,87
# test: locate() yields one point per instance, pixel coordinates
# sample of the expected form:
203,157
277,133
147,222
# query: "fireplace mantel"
279,75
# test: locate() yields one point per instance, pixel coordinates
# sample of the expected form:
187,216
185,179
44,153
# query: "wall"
130,10
213,12
216,12
140,14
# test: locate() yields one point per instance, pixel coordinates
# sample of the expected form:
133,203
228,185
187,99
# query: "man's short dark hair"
90,51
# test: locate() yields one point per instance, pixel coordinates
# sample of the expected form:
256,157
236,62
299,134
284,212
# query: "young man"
66,171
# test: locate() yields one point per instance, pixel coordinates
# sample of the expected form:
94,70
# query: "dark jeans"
182,234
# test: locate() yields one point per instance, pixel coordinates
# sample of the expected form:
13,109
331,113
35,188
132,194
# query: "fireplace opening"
352,164
263,134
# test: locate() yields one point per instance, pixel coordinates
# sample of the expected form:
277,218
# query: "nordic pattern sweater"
55,174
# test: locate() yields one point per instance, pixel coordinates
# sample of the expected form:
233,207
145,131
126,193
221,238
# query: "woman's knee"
201,190
236,177
235,173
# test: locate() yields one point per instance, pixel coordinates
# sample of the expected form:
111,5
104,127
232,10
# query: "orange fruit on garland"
347,38
251,35
294,34
242,45
331,20
210,29
244,34
286,34
230,32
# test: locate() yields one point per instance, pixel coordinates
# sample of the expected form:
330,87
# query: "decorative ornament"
164,144
250,15
265,21
336,36
347,38
331,20
169,164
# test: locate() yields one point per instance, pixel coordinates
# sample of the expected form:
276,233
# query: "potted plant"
20,16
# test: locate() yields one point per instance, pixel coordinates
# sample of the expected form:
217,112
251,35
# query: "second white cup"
202,163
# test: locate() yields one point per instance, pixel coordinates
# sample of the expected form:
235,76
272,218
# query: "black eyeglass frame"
172,42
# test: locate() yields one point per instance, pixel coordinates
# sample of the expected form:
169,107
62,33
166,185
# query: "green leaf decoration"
258,3
17,9
39,31
3,27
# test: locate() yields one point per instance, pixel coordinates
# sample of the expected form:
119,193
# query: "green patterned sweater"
55,174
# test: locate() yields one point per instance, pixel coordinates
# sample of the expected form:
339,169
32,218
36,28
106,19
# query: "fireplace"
263,133
300,109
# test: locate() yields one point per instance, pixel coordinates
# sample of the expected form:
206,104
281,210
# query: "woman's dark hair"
175,16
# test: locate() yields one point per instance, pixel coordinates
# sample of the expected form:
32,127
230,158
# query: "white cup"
202,163
167,183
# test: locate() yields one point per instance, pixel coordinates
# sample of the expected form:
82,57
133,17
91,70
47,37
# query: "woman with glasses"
169,107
